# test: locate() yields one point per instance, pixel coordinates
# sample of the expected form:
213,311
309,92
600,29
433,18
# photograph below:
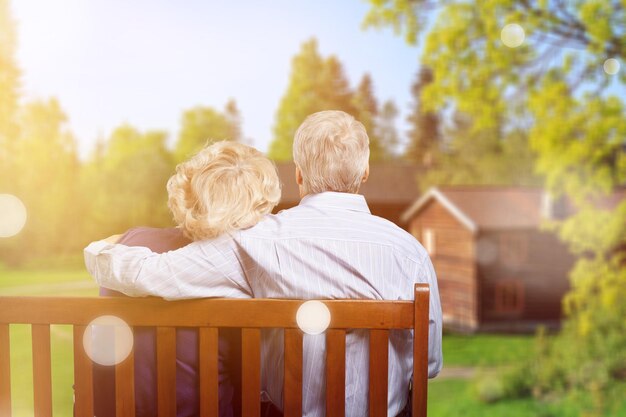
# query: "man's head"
331,152
224,187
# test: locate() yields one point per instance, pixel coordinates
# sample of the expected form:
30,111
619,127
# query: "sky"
144,62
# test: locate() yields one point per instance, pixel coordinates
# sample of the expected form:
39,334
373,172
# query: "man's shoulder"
399,237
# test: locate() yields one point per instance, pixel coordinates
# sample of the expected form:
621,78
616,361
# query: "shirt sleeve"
435,326
201,269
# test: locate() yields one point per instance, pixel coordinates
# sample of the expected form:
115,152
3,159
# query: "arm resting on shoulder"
201,269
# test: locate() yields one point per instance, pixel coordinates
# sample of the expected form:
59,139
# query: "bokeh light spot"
512,35
108,340
486,251
313,317
611,66
12,215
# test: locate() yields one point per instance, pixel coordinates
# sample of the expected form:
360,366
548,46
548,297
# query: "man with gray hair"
328,247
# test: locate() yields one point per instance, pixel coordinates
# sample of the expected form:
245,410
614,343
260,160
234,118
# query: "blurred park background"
100,100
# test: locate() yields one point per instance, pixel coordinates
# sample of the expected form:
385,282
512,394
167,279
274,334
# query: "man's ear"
366,174
298,176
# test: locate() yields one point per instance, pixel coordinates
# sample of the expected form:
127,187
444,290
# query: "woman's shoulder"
154,238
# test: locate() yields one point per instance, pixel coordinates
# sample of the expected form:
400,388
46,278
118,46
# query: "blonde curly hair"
224,187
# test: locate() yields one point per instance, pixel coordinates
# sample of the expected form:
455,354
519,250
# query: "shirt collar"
345,201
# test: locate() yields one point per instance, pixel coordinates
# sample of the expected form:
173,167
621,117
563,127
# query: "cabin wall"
451,248
523,275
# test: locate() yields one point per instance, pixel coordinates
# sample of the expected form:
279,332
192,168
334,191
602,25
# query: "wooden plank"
379,362
335,372
166,371
208,362
83,377
125,387
260,313
420,350
250,372
5,371
292,398
42,372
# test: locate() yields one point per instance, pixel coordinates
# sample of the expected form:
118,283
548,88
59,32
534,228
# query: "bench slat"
263,313
5,371
420,350
251,372
335,372
208,364
166,371
83,376
125,387
293,373
42,372
378,383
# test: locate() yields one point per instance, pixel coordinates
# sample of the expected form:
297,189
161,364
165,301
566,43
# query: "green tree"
315,84
9,93
424,136
45,167
385,131
201,125
366,111
464,44
125,181
573,116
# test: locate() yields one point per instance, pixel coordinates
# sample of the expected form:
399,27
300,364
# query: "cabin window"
428,240
513,248
509,296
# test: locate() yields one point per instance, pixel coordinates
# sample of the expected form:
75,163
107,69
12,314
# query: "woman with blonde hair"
225,187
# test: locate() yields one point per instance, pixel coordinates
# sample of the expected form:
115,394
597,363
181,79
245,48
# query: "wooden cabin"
496,269
390,189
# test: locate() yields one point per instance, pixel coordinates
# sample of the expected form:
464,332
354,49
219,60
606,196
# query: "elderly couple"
328,247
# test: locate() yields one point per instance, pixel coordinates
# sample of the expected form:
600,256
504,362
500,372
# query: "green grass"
57,282
486,349
455,397
17,278
22,370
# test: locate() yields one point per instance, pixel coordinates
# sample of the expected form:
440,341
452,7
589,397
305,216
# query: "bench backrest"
208,315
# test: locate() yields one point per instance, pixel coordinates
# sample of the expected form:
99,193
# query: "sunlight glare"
512,35
108,340
313,317
12,215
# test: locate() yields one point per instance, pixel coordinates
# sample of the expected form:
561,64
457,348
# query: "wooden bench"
208,315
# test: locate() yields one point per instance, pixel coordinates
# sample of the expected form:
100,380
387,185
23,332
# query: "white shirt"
328,247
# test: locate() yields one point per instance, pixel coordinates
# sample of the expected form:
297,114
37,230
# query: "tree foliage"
126,179
201,125
425,135
552,96
385,133
9,91
44,174
315,84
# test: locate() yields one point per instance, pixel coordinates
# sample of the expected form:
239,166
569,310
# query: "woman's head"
226,186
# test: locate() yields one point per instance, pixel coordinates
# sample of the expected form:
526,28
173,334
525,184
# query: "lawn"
455,398
486,349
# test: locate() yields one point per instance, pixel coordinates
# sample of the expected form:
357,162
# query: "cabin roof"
485,207
388,183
